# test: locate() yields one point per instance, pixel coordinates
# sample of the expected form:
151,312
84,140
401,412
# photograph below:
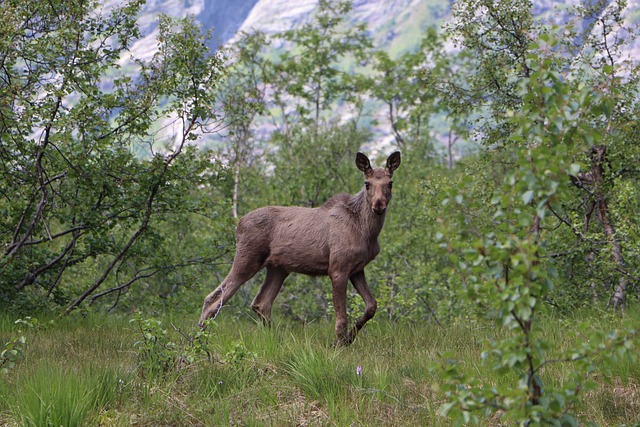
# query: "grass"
61,396
89,371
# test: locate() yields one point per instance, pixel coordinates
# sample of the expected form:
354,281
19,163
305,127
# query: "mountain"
394,25
225,17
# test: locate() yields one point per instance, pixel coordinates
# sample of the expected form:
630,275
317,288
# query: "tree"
242,99
406,89
74,195
312,75
512,228
613,158
507,270
499,50
495,37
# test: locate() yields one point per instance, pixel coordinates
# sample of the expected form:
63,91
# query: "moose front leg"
339,283
360,283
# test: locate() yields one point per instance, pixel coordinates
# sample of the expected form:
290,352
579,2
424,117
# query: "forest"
507,282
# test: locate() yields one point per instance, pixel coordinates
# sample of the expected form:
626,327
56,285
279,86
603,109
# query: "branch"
137,277
54,236
596,352
564,221
10,253
126,284
31,276
143,226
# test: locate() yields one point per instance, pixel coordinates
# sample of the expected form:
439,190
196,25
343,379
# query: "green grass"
88,371
61,396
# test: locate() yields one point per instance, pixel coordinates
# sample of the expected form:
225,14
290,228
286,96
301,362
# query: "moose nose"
379,208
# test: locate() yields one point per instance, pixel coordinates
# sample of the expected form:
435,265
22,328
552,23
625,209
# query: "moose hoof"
204,320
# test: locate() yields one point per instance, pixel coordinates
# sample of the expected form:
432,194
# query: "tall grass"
316,373
88,372
59,396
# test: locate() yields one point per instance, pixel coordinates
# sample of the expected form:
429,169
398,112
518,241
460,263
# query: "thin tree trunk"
236,189
618,298
44,196
450,143
394,126
592,181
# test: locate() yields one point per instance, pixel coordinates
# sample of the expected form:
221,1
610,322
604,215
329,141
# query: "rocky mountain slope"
394,24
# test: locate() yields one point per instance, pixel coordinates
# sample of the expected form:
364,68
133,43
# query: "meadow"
145,371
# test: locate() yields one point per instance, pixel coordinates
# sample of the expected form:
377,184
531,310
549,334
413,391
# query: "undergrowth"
147,371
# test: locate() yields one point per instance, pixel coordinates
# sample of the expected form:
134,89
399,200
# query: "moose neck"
371,223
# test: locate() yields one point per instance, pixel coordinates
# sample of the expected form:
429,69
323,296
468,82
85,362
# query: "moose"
337,239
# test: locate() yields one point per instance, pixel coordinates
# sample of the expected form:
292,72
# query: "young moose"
337,239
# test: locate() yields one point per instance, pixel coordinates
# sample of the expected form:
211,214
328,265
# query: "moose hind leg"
360,284
241,271
268,292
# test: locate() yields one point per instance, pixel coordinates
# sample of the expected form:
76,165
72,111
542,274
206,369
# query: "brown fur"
337,239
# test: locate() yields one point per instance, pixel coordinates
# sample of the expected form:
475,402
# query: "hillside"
395,26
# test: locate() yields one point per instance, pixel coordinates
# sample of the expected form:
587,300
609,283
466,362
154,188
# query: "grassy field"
109,371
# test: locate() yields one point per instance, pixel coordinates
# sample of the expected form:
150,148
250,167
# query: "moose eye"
390,184
367,185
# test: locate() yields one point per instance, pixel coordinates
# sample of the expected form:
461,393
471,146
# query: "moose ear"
363,163
393,162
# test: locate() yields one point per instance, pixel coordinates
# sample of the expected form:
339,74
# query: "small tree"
506,271
74,195
242,99
547,111
406,87
498,47
315,72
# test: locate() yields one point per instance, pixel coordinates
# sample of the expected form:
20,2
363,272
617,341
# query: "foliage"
241,98
159,353
308,76
80,210
107,202
408,96
15,348
572,62
507,270
503,274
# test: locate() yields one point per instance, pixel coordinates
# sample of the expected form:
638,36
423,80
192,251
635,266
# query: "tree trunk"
393,118
236,189
618,298
592,182
450,143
